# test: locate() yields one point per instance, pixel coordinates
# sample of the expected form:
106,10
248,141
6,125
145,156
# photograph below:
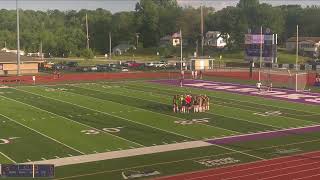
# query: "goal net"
284,79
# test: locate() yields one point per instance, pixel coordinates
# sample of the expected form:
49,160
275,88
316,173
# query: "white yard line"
212,113
123,153
189,159
265,132
205,112
242,109
42,134
194,88
296,119
228,130
240,152
75,121
6,156
112,115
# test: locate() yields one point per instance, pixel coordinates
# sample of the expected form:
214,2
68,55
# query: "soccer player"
179,103
206,100
183,104
195,103
195,74
192,74
259,84
188,102
174,103
270,86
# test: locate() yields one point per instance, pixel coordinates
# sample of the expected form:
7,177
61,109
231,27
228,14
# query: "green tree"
87,54
148,10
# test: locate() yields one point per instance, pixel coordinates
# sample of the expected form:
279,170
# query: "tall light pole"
110,45
41,53
297,49
181,50
87,28
202,37
297,58
18,41
260,53
137,39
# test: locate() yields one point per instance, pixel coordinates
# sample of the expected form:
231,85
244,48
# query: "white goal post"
284,79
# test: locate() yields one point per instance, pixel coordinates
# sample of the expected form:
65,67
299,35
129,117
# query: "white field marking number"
109,130
50,89
193,121
63,89
112,130
7,141
268,113
217,162
107,86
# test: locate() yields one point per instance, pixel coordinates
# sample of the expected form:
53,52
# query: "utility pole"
260,53
137,39
18,41
41,54
181,50
197,48
297,49
202,37
297,59
110,45
87,27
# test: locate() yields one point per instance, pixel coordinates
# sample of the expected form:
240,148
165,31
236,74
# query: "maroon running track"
298,167
77,77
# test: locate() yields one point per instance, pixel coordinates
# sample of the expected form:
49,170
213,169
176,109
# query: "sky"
128,5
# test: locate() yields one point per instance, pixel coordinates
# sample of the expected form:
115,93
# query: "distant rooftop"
294,39
7,57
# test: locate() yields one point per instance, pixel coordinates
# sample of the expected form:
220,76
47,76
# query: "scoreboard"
253,41
27,170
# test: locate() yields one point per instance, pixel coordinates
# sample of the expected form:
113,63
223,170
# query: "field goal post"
284,79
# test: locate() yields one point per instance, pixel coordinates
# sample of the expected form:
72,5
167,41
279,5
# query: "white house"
37,54
308,46
122,48
213,38
22,53
173,40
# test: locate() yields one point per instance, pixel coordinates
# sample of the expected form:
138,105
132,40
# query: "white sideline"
122,153
266,132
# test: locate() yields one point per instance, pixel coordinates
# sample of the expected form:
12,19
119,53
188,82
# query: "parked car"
103,67
160,64
149,64
94,68
58,66
124,69
314,62
72,64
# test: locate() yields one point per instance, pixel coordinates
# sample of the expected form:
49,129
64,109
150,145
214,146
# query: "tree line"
63,33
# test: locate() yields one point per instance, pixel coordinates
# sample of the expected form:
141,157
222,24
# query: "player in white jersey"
259,84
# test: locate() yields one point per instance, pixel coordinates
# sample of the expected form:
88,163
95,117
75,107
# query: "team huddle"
186,103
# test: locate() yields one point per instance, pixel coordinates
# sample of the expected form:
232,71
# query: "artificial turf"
56,121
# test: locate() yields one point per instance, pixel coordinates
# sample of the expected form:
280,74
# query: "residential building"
174,40
214,39
308,46
8,64
122,48
22,53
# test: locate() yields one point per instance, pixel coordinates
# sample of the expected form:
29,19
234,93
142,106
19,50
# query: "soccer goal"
285,79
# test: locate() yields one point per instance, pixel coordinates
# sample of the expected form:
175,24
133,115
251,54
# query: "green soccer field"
53,122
